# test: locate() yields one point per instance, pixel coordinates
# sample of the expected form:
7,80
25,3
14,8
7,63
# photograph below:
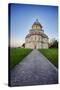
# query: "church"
36,38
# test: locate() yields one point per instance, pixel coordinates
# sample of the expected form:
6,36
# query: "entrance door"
35,47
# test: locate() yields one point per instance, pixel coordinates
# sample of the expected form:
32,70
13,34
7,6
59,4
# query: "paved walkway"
35,69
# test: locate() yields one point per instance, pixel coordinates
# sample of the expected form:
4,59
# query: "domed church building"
36,38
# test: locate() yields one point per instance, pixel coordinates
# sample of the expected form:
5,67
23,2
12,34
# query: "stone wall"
36,41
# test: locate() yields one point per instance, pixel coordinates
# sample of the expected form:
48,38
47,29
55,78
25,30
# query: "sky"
22,16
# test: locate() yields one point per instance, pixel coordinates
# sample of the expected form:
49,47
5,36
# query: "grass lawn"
17,54
51,54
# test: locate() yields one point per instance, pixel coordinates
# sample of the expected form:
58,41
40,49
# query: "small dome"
37,23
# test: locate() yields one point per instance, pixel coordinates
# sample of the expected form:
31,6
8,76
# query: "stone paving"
35,69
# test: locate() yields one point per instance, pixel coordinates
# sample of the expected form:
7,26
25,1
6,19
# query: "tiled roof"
37,23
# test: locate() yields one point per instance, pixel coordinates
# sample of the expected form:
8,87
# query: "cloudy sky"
22,16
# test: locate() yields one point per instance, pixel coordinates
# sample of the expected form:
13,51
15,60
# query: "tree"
23,45
54,44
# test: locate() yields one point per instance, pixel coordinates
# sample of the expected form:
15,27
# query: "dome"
37,23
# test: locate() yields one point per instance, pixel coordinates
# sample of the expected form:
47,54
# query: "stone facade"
36,37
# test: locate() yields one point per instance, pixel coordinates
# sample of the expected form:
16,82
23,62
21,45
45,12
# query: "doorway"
35,47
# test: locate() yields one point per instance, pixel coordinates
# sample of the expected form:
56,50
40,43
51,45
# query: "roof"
37,23
43,35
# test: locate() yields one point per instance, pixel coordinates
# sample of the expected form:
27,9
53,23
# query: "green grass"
51,54
17,55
